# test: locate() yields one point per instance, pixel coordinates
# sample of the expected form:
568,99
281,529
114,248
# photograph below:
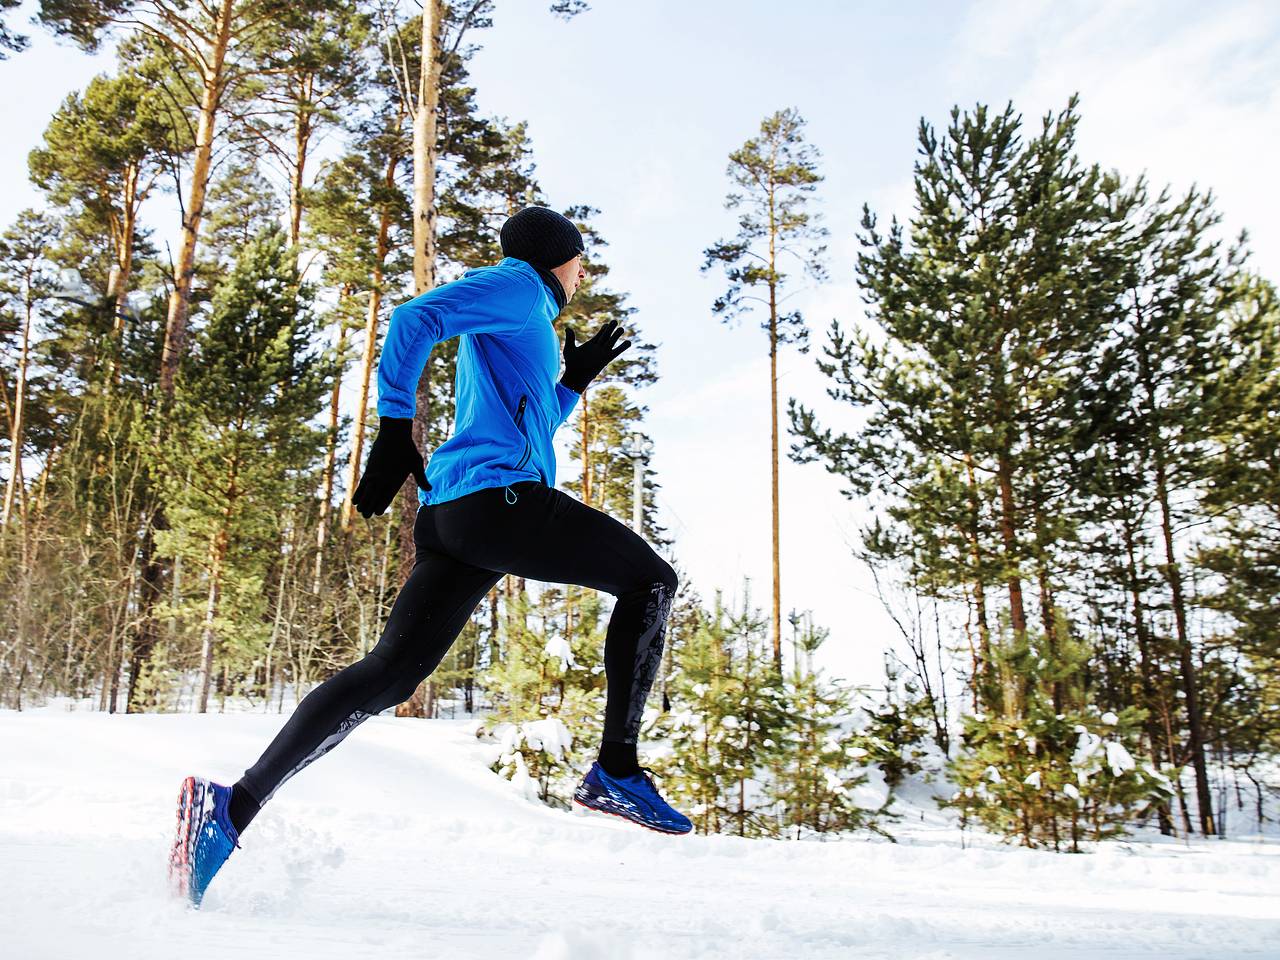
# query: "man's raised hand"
582,364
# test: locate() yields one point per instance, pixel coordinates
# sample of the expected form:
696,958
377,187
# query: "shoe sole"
641,823
193,796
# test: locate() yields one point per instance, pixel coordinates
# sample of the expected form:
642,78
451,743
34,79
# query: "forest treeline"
1064,384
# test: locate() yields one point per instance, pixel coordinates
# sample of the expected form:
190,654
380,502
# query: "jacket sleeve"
487,301
567,398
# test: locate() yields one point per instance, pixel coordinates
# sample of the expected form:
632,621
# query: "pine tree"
104,153
775,172
247,396
27,285
1051,778
696,778
1147,408
312,74
819,780
725,727
241,205
896,727
221,44
547,685
1242,387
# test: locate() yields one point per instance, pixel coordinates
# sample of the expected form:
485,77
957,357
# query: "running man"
488,506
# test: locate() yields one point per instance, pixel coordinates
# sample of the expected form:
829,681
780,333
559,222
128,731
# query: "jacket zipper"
528,447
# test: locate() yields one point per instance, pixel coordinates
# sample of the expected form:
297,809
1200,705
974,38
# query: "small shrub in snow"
1055,779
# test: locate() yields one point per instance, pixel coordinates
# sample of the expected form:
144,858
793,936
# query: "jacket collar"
548,278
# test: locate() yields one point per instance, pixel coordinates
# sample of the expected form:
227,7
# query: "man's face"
570,275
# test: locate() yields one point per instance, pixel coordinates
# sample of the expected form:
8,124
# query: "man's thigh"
431,609
545,535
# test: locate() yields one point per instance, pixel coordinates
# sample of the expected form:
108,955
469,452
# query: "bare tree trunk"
120,276
207,635
370,348
1009,536
301,141
19,409
424,269
424,151
330,455
987,686
276,622
773,423
150,585
1190,690
184,271
1147,670
1173,577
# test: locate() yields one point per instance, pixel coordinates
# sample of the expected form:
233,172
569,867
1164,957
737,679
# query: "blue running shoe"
204,838
634,798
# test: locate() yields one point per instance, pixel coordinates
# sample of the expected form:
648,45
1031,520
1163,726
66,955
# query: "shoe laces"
648,780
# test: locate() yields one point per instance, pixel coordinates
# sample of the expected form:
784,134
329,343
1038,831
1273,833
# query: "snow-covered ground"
401,844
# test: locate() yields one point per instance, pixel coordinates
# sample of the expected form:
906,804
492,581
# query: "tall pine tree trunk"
985,678
331,450
424,151
208,636
1148,669
424,277
773,417
370,349
118,284
1173,577
212,87
301,142
19,408
1189,685
773,426
1009,537
149,587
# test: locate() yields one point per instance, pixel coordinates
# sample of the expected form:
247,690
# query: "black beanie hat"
541,237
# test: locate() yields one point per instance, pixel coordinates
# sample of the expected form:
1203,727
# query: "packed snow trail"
402,844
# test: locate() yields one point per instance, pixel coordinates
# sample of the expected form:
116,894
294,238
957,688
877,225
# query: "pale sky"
634,107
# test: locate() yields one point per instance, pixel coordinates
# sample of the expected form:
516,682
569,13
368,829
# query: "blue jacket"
508,398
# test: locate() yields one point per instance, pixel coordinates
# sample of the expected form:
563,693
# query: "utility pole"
638,449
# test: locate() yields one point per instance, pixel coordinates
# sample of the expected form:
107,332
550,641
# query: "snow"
1118,758
402,843
558,646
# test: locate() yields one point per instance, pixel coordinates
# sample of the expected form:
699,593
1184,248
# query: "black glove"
582,364
392,457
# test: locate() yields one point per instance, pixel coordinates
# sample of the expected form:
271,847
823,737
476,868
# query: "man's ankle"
242,808
618,759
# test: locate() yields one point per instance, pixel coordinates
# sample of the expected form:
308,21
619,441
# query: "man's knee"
657,574
668,576
396,678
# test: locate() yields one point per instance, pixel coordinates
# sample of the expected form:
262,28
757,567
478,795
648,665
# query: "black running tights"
464,546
